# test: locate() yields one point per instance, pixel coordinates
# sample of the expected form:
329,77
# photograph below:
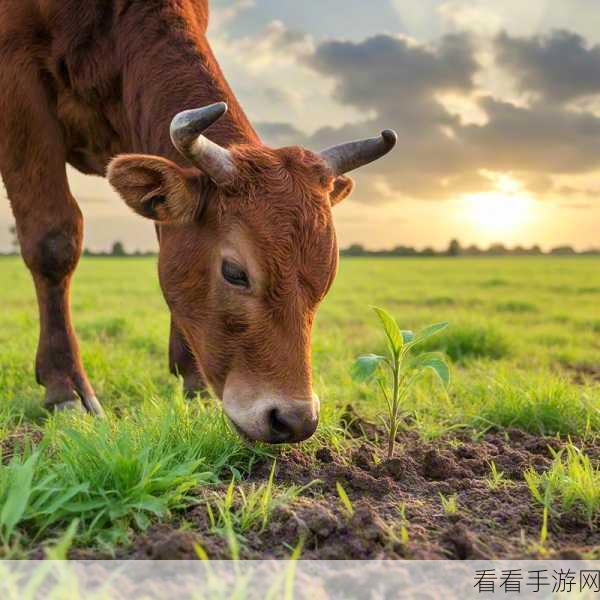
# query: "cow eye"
234,274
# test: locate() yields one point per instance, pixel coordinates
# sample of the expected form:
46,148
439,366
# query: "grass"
241,510
496,479
449,504
115,475
571,484
518,330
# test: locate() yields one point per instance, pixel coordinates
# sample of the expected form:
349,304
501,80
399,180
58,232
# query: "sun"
499,212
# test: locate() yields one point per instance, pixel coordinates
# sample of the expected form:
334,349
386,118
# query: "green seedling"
404,535
242,510
496,480
346,502
401,369
571,484
449,504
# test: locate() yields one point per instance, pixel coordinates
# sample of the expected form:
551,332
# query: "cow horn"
352,155
187,128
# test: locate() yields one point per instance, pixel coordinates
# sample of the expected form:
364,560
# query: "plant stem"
393,429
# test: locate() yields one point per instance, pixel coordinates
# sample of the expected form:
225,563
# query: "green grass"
518,330
116,475
572,483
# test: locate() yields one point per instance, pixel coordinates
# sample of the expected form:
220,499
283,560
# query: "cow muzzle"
272,419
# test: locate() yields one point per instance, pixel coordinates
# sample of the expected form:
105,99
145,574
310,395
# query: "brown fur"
85,80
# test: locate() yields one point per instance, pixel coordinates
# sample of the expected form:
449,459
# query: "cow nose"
289,428
280,430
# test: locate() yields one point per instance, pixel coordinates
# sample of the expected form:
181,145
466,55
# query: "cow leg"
50,231
183,364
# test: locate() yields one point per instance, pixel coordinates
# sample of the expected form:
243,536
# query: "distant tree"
535,250
563,251
454,248
355,250
497,250
472,250
428,251
403,251
14,239
118,249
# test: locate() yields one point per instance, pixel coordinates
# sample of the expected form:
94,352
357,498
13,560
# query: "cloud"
383,70
540,138
559,67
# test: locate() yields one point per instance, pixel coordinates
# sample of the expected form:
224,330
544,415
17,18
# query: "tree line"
454,248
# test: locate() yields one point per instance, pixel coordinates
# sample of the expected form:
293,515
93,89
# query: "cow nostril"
281,431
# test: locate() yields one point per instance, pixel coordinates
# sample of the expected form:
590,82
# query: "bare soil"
16,440
490,523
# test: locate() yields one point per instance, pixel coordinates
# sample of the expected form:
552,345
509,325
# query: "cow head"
247,252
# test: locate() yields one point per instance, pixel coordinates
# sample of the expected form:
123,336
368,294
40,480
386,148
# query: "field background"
524,343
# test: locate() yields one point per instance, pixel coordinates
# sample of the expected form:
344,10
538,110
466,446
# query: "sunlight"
501,211
497,212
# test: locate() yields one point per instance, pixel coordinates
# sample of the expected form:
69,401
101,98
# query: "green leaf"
408,336
19,493
344,498
392,331
431,331
365,366
436,363
60,550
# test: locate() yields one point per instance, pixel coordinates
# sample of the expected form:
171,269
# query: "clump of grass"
240,511
572,483
449,504
516,306
470,340
540,404
400,368
496,479
113,475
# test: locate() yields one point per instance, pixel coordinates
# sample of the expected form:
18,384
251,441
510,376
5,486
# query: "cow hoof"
69,405
66,401
92,406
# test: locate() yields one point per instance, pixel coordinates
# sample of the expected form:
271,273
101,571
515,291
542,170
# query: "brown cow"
247,243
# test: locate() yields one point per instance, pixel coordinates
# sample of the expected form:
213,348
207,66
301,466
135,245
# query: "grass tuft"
571,484
470,340
118,474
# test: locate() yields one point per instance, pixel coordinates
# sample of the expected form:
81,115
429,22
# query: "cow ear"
156,188
342,188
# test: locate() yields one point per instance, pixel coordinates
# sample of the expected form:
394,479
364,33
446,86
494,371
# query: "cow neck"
170,76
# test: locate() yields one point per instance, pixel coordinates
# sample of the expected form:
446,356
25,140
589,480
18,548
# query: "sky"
496,104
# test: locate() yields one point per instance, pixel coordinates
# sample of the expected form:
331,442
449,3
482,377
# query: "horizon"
497,108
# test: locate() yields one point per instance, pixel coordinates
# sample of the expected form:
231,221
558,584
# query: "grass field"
485,470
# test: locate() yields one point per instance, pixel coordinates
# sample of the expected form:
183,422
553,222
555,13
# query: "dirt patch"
583,373
397,509
17,440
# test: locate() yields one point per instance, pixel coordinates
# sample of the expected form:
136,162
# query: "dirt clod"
324,455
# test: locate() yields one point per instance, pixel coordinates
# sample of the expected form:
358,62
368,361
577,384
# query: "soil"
489,523
16,440
585,373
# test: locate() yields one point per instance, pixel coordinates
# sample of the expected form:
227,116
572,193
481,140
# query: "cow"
130,90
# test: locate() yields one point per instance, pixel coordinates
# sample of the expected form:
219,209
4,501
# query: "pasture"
504,465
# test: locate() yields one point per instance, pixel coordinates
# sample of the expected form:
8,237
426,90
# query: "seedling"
240,511
346,502
400,370
449,504
404,535
572,484
496,479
